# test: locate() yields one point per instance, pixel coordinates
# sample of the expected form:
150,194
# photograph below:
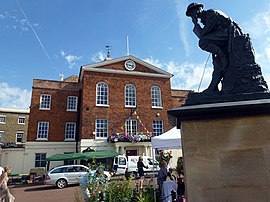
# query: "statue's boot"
216,76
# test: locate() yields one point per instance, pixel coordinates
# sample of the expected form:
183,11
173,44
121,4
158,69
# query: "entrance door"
131,153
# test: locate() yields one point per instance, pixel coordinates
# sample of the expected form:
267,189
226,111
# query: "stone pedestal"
226,149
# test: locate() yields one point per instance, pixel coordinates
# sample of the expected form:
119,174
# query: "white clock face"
130,65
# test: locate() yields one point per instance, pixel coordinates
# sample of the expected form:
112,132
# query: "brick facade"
114,74
58,115
117,113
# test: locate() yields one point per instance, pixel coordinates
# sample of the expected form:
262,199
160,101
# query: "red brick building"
124,98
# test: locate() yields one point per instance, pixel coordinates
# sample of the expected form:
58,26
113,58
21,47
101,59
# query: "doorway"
131,152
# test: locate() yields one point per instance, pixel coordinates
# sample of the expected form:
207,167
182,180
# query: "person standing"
162,174
140,166
181,188
5,195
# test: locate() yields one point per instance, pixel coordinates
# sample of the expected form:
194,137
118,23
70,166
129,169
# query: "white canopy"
170,139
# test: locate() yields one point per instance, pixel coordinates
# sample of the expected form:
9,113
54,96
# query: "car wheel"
61,183
133,175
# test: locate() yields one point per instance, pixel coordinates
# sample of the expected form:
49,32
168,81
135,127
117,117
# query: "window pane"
45,102
40,160
102,94
157,127
2,119
21,120
156,96
101,128
130,95
72,103
70,131
43,129
131,127
19,136
1,136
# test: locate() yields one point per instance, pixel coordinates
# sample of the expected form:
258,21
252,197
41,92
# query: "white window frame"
156,97
69,134
130,95
102,94
72,102
40,160
101,128
2,133
3,119
158,127
19,133
131,126
21,118
45,102
45,131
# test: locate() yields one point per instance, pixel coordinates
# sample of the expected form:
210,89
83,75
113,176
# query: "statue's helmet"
193,6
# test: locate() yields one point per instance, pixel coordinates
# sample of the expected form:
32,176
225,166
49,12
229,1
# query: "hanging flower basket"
129,138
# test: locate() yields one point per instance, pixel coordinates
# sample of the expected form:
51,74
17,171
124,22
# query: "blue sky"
40,39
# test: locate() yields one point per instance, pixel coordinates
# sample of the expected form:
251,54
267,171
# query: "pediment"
120,66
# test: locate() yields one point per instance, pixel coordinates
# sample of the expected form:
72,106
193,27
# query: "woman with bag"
5,195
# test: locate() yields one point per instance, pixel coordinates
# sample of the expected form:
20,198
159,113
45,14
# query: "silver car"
61,176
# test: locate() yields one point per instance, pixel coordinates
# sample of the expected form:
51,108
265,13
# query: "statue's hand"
194,19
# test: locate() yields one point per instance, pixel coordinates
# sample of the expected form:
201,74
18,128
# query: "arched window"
130,95
102,94
156,97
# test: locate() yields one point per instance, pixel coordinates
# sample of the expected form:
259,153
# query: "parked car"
61,176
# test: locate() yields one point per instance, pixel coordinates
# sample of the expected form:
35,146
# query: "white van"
121,164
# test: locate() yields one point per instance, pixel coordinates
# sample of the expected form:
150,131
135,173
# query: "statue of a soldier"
214,37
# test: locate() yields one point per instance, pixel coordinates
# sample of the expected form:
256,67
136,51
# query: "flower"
164,157
139,137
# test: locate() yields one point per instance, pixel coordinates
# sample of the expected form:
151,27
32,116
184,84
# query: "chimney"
108,52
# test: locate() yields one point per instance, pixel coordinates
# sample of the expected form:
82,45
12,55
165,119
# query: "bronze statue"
231,51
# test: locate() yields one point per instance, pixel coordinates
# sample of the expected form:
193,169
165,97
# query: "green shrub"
120,190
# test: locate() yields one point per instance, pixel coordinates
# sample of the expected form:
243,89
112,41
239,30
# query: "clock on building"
130,65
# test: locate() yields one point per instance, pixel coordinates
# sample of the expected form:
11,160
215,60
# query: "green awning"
84,156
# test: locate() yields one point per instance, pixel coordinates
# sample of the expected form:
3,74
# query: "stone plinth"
226,148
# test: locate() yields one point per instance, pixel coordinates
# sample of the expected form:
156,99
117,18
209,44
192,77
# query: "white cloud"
259,29
23,25
187,76
71,59
180,9
12,21
154,62
98,57
14,97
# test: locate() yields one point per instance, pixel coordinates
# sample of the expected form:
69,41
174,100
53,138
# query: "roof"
12,110
179,93
97,67
72,78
